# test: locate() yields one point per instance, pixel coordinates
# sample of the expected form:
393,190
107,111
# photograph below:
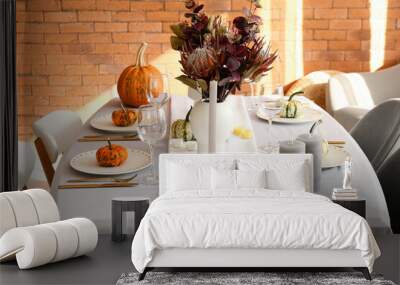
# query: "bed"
247,211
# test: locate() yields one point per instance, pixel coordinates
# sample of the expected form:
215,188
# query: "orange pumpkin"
122,118
111,155
134,80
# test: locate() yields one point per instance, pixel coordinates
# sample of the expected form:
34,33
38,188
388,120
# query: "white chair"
56,132
352,95
378,132
31,230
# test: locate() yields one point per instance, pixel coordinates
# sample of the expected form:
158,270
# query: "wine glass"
158,89
279,90
271,147
152,127
253,100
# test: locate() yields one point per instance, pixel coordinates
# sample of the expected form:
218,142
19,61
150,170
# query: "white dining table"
95,204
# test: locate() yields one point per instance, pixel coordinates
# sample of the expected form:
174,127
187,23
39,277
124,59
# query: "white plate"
309,115
336,156
104,123
271,98
86,162
271,106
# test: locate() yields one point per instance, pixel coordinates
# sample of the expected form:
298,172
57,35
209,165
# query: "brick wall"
69,51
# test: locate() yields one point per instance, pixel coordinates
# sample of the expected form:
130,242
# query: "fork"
102,179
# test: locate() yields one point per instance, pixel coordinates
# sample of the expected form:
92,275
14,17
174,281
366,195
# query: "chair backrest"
389,177
56,132
26,208
364,90
287,164
26,162
313,85
378,131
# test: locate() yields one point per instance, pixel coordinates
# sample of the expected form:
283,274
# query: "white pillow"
293,180
287,174
224,179
189,177
251,179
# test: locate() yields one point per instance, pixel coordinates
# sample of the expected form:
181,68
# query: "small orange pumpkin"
134,80
122,118
111,155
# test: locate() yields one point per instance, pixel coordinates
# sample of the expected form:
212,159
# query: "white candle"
212,116
292,146
314,146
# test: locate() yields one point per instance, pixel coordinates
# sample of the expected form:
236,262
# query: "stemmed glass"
271,146
158,89
152,127
253,99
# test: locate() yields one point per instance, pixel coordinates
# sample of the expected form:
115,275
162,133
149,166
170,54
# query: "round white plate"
86,162
336,156
270,105
271,98
104,123
309,115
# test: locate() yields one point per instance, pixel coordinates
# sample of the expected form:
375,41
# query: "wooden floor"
102,266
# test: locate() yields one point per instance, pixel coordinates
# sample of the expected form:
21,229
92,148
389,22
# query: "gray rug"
243,278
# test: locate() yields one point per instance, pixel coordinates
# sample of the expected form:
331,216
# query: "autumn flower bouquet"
229,53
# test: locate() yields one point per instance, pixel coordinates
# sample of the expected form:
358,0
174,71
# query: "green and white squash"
181,129
291,109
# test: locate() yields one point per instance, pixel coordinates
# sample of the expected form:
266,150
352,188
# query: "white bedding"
253,218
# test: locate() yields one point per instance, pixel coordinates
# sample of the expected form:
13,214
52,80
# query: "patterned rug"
244,278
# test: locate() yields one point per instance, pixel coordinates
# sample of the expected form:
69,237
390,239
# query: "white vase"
224,124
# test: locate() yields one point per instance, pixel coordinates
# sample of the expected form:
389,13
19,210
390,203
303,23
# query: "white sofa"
31,231
351,95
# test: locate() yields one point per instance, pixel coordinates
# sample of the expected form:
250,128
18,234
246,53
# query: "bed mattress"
250,219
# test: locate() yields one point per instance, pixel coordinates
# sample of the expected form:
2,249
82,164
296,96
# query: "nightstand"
119,205
357,206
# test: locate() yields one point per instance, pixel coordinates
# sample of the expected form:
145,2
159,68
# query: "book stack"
344,194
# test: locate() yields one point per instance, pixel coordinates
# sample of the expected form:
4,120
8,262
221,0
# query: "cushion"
281,174
23,208
40,244
251,179
313,85
294,180
224,179
45,206
27,208
7,216
183,177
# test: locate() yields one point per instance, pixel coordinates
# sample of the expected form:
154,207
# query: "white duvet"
250,219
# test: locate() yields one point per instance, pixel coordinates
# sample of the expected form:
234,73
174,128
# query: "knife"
109,136
97,185
102,179
96,138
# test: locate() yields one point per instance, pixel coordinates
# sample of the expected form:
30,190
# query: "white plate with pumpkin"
116,122
308,115
289,111
115,161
